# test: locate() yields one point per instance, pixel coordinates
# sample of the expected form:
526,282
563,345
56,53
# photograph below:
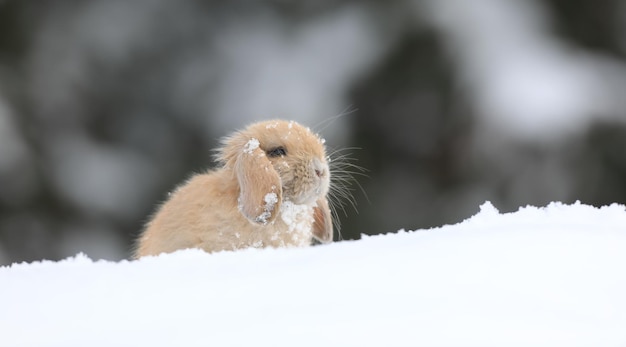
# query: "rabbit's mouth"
308,198
305,184
311,193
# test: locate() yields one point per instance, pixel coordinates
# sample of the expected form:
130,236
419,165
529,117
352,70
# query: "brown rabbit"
269,192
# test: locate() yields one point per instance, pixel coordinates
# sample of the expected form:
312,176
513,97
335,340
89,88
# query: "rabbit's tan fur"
255,199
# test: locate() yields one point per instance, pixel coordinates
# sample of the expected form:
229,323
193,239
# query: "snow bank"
553,276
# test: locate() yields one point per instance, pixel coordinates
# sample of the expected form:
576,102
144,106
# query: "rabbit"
270,191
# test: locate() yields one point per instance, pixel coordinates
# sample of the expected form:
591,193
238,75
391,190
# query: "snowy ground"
552,276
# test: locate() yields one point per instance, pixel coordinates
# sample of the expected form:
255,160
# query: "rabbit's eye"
277,152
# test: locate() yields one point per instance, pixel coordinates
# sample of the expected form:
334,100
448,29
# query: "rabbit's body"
255,200
195,218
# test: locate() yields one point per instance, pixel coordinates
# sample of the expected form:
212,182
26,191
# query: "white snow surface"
553,276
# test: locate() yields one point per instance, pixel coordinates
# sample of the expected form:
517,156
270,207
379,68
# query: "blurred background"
106,105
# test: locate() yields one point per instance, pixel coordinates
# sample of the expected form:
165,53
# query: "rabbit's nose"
319,168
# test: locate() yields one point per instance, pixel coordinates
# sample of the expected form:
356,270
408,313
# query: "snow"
270,200
550,276
251,145
263,217
298,217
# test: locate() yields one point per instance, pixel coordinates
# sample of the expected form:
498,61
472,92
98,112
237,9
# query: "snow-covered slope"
553,276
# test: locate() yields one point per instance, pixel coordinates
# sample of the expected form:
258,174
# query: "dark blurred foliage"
414,132
105,106
592,24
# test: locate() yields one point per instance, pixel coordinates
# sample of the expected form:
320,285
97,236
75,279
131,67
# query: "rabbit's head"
277,161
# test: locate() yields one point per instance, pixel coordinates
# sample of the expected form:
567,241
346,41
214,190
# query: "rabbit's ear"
323,224
260,191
